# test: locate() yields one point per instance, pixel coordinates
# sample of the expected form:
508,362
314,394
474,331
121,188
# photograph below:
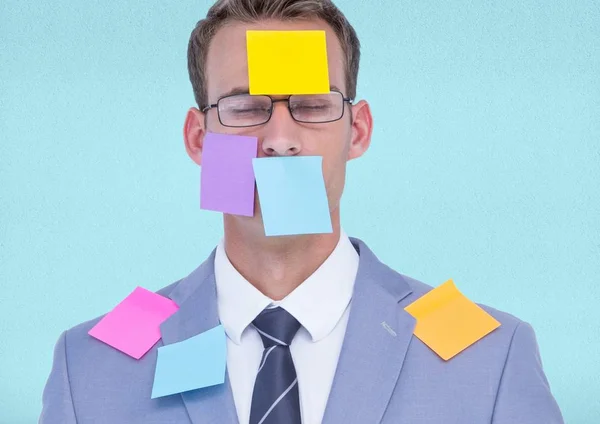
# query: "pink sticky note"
133,326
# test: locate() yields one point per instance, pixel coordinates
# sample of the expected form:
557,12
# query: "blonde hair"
224,11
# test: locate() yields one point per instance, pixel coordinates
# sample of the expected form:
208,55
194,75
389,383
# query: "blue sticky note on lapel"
292,195
191,364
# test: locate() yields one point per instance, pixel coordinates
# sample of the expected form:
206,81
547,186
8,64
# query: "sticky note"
448,322
292,195
133,326
227,176
191,364
287,62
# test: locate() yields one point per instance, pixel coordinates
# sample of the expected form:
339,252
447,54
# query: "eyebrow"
234,91
245,90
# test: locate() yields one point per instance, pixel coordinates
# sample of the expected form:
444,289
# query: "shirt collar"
318,303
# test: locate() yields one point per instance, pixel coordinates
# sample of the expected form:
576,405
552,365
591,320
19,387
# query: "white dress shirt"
321,304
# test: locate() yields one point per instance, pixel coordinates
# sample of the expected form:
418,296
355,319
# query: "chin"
245,224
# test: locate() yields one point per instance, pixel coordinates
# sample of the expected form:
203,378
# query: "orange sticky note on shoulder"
448,322
287,62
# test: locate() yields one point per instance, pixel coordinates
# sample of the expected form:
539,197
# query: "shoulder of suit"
81,330
419,289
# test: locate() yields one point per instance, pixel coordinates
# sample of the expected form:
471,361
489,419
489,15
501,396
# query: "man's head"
217,64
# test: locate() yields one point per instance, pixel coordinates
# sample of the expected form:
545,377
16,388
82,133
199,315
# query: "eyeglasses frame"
273,101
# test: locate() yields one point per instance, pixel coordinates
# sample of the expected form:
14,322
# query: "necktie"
275,399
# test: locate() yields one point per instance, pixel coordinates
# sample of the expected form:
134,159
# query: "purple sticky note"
227,176
133,326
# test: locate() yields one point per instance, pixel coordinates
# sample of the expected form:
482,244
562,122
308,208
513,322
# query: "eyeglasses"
246,110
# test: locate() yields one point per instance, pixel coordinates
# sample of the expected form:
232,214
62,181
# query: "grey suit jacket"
383,376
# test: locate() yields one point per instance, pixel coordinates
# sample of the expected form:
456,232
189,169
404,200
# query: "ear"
362,128
193,134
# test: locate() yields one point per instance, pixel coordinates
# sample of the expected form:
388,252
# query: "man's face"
337,142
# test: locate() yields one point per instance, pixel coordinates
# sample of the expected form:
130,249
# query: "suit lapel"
196,296
377,337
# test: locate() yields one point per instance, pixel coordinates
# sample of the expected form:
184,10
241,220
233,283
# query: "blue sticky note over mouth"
191,364
292,195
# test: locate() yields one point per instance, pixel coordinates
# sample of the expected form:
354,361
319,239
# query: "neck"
276,265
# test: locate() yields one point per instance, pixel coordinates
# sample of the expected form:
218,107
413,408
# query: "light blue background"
484,168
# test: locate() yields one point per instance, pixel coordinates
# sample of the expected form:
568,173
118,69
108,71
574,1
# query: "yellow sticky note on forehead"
287,62
448,322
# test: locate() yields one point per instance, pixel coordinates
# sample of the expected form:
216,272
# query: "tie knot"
276,326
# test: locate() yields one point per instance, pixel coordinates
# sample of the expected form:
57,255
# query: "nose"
280,134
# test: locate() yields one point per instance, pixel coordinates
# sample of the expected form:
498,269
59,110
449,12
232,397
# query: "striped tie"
275,399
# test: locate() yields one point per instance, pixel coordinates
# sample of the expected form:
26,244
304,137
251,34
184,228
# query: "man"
354,357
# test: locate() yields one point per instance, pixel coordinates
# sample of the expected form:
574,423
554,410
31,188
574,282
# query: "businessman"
315,324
